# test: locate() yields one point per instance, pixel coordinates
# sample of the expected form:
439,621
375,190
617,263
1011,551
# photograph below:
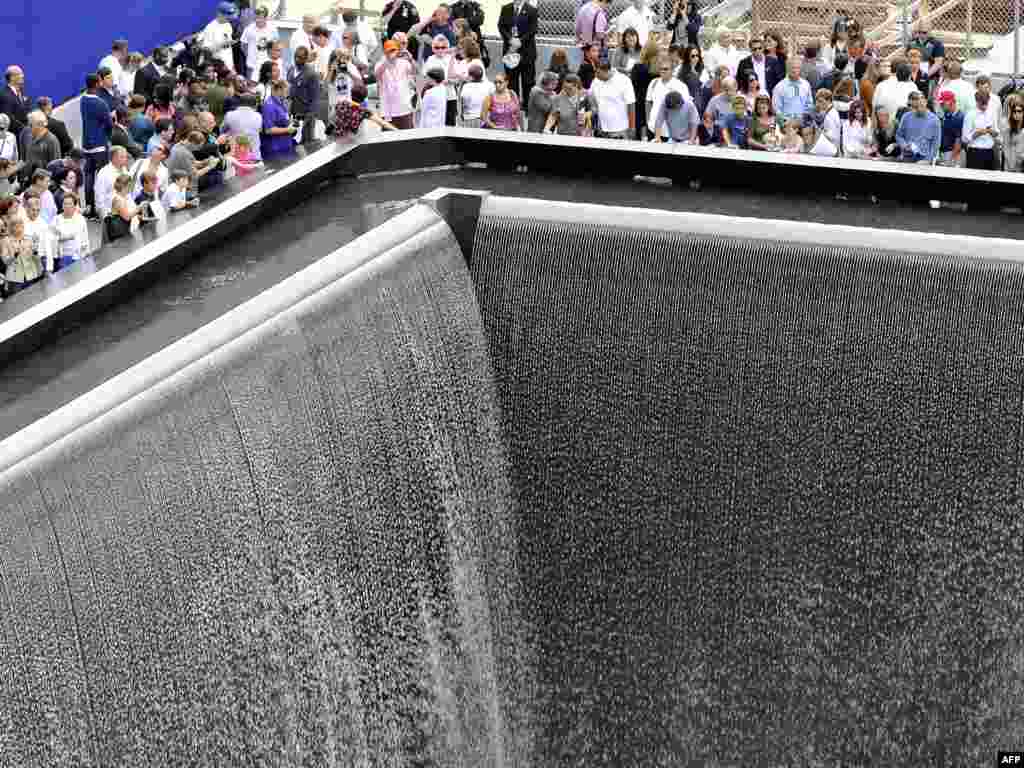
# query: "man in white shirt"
218,36
639,17
614,102
38,231
981,132
115,61
256,41
893,93
104,189
721,53
955,84
660,87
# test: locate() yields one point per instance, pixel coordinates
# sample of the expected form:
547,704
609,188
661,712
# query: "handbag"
114,228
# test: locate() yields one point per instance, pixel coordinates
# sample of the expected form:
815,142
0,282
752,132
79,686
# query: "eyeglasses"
694,55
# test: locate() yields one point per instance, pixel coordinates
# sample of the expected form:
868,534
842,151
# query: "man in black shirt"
147,77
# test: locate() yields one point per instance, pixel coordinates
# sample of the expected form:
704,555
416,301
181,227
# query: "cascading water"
633,489
298,551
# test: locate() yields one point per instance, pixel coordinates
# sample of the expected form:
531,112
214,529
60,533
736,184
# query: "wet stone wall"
770,495
298,552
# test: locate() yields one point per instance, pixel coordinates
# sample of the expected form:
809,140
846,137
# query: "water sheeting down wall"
770,489
297,550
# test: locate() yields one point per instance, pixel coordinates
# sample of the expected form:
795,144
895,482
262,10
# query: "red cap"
947,97
390,45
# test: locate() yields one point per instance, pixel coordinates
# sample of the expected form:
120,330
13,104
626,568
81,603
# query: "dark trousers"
451,112
981,159
94,162
521,79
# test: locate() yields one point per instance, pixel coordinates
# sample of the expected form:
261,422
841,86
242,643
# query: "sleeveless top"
505,116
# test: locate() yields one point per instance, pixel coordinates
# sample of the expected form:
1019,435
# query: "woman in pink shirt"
395,83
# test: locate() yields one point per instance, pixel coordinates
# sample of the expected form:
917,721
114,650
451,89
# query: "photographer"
256,41
218,36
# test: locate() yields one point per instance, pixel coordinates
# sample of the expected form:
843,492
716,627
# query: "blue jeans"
94,162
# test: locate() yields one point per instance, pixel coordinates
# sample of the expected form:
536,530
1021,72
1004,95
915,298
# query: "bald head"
14,75
207,121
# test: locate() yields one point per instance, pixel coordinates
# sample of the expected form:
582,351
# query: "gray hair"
5,121
440,39
117,151
36,117
548,78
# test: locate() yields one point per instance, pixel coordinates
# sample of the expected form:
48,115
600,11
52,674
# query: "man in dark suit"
45,105
147,77
770,71
517,25
13,101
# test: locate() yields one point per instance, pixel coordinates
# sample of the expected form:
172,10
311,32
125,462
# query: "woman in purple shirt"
278,136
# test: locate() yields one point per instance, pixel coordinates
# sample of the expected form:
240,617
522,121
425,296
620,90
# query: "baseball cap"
262,11
947,97
390,45
227,9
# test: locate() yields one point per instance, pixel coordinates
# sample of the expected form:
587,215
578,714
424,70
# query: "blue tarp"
58,44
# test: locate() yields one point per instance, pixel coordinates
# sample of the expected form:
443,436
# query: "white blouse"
72,237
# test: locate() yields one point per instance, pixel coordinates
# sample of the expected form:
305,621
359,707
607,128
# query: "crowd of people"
157,133
625,80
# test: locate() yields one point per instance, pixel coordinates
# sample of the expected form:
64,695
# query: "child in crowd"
350,113
708,133
175,197
792,143
737,125
242,158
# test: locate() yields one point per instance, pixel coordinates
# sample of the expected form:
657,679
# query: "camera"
263,45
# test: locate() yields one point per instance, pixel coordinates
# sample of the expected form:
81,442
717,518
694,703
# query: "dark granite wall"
770,494
295,553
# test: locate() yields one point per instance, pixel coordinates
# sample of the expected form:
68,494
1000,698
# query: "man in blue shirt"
952,129
792,97
97,126
920,132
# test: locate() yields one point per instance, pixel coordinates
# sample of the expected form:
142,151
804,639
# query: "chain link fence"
980,31
971,30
